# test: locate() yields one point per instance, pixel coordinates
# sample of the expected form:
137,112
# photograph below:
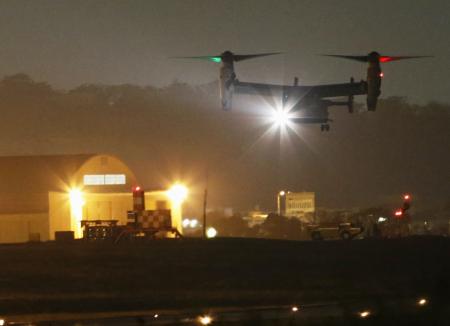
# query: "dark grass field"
192,273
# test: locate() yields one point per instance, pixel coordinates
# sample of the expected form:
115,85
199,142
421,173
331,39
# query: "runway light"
186,222
294,309
364,314
2,322
177,193
205,320
422,302
155,316
211,232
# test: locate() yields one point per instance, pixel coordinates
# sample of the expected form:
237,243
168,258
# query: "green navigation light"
216,59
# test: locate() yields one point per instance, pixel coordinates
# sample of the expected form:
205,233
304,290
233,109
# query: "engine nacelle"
226,85
374,75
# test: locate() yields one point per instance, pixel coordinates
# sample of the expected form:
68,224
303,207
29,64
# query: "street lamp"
280,198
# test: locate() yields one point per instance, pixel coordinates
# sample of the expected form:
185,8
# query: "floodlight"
177,193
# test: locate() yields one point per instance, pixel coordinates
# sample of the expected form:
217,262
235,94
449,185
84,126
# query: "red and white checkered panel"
156,219
138,200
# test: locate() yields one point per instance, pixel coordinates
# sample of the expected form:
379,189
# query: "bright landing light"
280,117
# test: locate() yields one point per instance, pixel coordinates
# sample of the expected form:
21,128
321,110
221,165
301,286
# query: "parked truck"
344,231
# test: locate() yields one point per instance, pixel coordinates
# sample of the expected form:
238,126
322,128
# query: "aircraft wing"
336,90
259,89
319,91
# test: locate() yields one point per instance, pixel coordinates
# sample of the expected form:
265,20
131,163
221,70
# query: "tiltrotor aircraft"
304,104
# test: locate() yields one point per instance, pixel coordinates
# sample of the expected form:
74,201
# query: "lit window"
94,179
104,179
115,179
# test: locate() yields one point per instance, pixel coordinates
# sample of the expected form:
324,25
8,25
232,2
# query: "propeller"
375,56
229,56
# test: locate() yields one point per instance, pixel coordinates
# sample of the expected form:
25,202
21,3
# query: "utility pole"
205,198
205,202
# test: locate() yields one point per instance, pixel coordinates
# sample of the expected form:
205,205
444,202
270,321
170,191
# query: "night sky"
68,43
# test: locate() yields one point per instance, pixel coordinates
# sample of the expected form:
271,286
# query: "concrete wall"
59,213
16,228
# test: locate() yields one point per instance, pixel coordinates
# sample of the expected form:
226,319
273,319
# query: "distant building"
40,195
255,217
297,204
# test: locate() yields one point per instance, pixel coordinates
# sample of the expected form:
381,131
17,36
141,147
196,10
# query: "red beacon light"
137,188
407,197
398,213
381,74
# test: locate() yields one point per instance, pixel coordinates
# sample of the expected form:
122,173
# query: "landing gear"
350,104
350,98
325,127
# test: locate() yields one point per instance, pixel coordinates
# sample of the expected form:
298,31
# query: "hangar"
40,195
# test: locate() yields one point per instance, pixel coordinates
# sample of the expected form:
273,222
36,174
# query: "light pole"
205,198
205,202
282,193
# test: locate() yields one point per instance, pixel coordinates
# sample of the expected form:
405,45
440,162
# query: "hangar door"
98,210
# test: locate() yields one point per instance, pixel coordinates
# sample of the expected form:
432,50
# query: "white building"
297,204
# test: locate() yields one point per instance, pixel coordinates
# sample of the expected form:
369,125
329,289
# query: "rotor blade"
240,57
361,58
388,58
212,58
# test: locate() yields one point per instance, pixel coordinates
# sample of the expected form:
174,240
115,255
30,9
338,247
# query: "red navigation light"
398,213
386,58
